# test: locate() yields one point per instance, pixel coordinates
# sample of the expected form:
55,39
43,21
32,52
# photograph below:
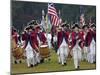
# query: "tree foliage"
23,12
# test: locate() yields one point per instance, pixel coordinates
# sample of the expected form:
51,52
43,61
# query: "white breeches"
77,55
62,54
30,55
92,52
85,53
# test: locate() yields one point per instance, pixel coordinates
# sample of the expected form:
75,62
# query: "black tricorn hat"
93,25
75,26
67,26
30,27
33,22
27,28
64,24
85,26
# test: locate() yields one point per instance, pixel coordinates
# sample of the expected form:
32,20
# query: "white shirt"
63,44
49,37
55,38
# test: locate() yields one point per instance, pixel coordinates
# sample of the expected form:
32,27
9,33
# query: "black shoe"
31,65
42,61
78,67
20,61
15,62
65,64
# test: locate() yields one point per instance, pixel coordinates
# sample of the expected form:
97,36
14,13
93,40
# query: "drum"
18,53
44,51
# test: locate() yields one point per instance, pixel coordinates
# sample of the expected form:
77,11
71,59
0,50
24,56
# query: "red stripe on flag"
53,14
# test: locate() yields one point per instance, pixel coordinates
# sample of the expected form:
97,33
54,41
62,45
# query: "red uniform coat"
88,38
81,34
60,37
74,39
69,37
42,37
15,36
32,38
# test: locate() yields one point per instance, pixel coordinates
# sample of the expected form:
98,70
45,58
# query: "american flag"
55,20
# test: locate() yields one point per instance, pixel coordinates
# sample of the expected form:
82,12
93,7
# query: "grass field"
50,66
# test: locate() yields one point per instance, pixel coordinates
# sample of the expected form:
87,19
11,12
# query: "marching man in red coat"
76,40
15,43
86,38
42,40
62,43
81,34
89,43
15,35
92,45
30,46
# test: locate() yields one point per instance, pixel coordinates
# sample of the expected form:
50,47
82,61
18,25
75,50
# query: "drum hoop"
43,46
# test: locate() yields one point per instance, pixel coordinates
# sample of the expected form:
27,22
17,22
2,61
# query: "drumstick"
36,47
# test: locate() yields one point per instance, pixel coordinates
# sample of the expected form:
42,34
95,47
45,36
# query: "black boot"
42,61
31,65
15,62
78,67
65,63
20,61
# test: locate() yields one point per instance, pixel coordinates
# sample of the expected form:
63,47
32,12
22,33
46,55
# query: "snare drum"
18,53
44,51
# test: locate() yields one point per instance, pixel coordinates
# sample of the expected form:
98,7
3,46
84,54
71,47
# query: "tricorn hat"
33,22
85,26
93,25
75,26
64,24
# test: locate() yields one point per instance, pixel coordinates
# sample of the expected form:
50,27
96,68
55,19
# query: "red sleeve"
59,38
73,39
43,38
89,36
23,37
15,37
67,35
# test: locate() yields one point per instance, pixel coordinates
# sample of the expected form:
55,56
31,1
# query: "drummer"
36,42
15,37
40,34
42,40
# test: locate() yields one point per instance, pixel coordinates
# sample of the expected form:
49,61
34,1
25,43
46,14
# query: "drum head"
42,46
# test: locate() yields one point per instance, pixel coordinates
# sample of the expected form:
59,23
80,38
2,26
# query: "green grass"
50,66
